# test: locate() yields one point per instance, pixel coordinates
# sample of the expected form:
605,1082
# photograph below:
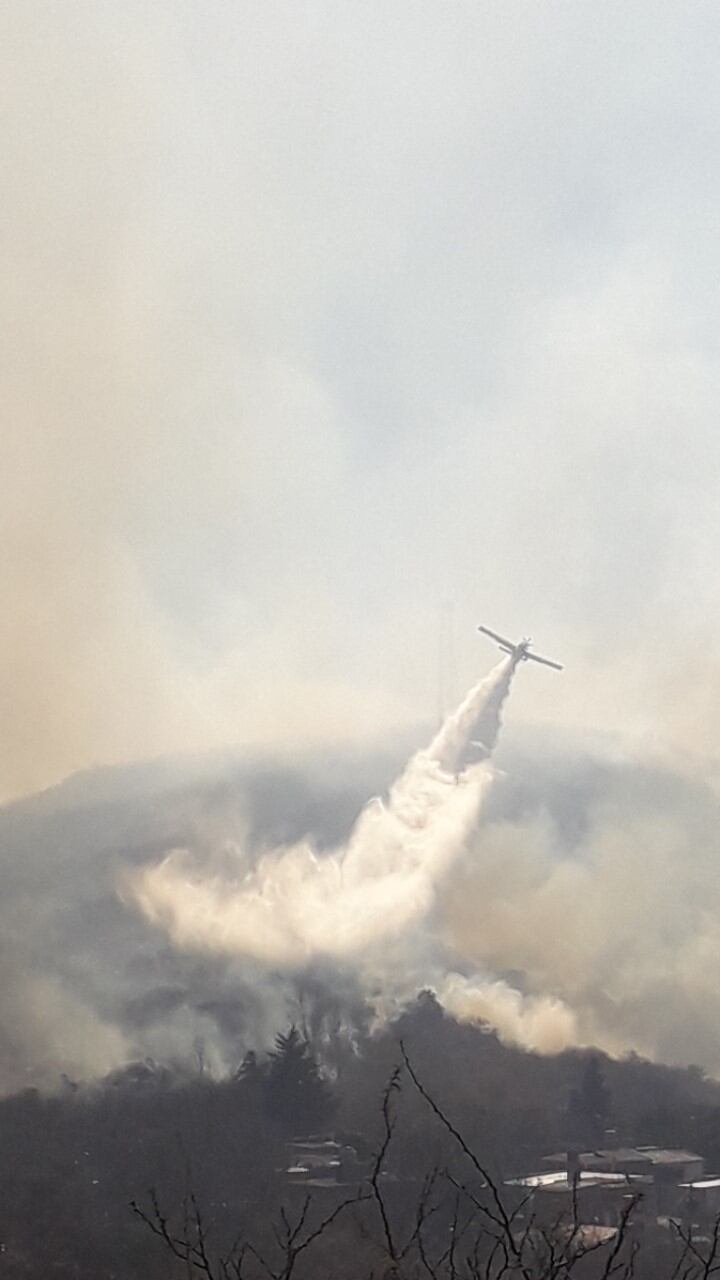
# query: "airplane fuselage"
519,652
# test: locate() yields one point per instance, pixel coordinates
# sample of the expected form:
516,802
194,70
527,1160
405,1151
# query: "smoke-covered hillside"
567,905
87,983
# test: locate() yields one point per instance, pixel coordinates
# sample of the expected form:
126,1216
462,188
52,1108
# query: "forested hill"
73,1161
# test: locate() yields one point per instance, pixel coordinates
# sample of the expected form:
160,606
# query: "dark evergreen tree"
298,1098
250,1070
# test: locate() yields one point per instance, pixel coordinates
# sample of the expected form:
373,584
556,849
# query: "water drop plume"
295,904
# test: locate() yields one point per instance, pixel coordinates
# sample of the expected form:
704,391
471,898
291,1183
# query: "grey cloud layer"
319,316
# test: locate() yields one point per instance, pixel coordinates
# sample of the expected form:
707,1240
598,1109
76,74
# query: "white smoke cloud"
612,915
542,1023
47,1028
297,905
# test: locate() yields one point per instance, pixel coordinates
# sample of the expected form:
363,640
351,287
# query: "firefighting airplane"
521,651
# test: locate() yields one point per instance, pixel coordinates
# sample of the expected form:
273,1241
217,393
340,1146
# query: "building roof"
626,1155
306,1163
558,1180
669,1155
614,1155
584,1235
315,1144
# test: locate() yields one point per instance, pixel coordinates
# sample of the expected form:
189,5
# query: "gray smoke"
365,901
593,882
575,907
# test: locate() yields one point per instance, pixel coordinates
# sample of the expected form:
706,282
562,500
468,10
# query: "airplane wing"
535,657
500,639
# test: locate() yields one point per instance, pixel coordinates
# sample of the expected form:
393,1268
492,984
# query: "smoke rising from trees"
361,902
575,911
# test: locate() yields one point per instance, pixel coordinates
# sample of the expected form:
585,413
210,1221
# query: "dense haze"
188,913
320,316
330,331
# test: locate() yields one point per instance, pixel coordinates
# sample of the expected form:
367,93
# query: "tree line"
71,1163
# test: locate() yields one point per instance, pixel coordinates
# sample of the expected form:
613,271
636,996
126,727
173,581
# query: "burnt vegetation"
402,1159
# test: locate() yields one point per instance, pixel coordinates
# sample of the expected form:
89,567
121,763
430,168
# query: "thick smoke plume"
576,911
297,905
542,1023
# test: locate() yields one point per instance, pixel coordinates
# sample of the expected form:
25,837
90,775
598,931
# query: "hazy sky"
319,315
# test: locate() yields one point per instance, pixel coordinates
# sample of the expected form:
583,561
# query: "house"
700,1201
666,1168
322,1162
589,1197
